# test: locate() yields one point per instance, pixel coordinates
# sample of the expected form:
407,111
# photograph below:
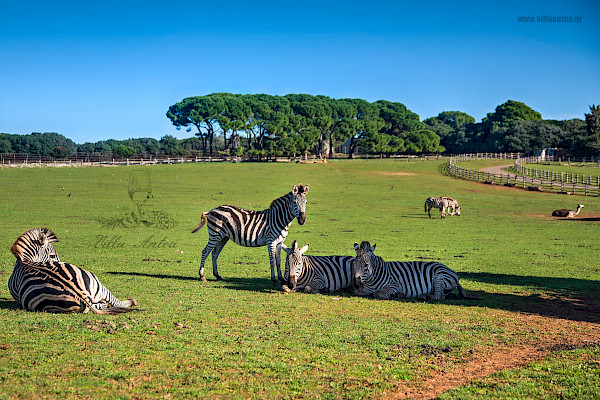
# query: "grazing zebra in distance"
436,202
253,228
415,279
41,282
452,205
315,274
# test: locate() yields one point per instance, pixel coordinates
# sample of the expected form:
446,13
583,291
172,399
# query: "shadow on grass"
8,304
251,284
565,298
589,219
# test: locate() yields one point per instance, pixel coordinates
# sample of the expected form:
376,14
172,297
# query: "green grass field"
535,327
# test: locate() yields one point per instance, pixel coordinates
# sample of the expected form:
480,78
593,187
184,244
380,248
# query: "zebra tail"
201,224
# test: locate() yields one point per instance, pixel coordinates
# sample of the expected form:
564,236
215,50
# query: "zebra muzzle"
301,218
292,282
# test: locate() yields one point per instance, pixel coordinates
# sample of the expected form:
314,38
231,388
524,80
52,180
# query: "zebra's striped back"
436,202
55,286
452,204
245,227
412,279
316,273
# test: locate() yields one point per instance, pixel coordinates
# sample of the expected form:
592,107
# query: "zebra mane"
38,237
285,198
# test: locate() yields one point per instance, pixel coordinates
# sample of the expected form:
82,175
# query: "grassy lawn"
537,280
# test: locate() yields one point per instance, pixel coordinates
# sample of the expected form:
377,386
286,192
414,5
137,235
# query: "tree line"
515,127
296,124
301,124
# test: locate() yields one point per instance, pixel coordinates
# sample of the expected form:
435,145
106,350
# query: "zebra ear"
50,236
295,190
303,250
373,247
306,190
356,246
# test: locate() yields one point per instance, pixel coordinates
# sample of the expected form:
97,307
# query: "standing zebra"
253,228
436,202
41,282
386,279
453,205
314,274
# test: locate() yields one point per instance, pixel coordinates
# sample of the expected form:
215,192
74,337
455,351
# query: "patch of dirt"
540,336
392,173
591,217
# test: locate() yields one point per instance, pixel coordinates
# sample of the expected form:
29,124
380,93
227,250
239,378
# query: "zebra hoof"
219,278
202,279
286,289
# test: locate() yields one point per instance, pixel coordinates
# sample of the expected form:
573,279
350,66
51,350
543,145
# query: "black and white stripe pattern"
436,202
253,228
40,282
415,279
452,205
314,274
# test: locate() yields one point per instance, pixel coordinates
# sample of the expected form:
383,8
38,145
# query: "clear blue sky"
94,70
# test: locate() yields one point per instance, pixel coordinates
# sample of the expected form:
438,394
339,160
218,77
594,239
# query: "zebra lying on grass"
388,279
253,228
41,282
315,274
443,203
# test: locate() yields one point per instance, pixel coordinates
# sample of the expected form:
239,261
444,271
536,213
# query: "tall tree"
592,121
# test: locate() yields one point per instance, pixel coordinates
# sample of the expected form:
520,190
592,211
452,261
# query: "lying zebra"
443,203
388,279
315,274
41,282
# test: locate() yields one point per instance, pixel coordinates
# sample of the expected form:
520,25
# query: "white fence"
536,179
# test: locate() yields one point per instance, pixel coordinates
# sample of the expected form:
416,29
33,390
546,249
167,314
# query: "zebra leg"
104,297
274,260
384,293
215,256
438,289
205,252
278,262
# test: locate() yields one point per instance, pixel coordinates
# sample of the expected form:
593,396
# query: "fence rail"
526,177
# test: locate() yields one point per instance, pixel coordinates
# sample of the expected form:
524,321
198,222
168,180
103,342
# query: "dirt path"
545,335
498,169
567,186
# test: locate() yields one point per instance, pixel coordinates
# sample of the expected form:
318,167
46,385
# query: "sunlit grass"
243,337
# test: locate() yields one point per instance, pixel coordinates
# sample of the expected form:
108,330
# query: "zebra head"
361,265
35,245
293,263
298,204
